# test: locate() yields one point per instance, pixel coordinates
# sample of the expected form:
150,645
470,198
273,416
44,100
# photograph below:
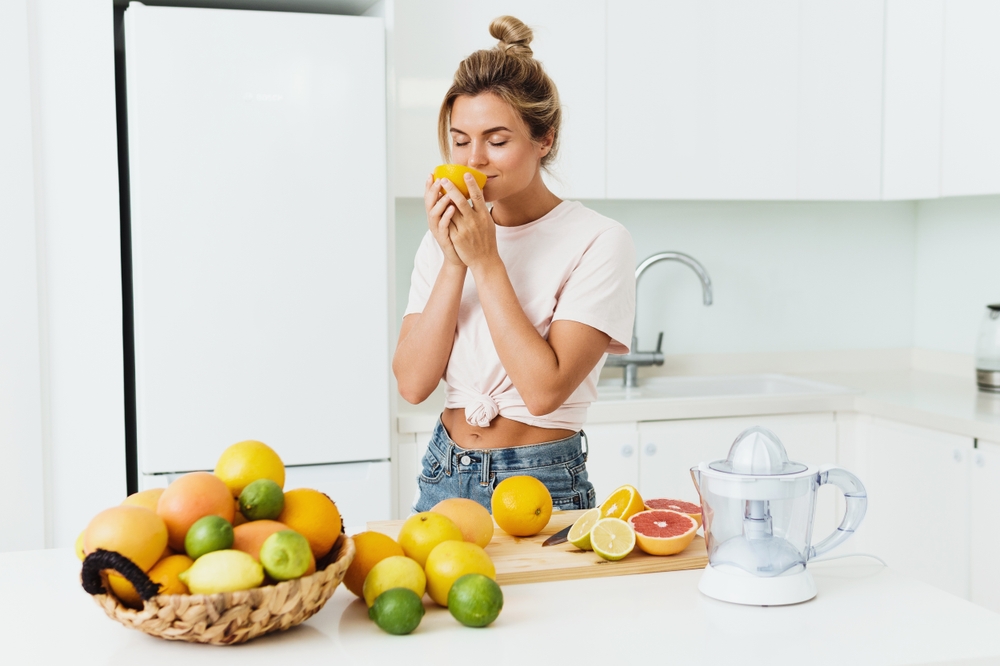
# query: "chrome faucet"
635,358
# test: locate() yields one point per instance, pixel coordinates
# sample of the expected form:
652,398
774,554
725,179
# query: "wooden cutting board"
526,561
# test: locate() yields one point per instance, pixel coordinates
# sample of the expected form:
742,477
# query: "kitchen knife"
558,537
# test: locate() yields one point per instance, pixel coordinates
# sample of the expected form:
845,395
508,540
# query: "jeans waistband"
507,459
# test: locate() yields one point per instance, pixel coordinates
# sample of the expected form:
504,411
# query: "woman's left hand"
472,231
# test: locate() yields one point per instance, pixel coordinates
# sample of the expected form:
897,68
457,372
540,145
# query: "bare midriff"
500,433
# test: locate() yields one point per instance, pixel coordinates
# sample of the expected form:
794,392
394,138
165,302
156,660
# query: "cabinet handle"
650,449
980,460
627,451
956,455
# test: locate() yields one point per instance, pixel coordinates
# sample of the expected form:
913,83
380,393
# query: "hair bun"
513,36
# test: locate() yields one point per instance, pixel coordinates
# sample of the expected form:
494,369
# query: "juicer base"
727,583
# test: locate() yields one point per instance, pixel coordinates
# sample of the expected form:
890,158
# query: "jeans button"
466,460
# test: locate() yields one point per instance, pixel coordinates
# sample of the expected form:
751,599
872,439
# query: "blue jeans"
448,470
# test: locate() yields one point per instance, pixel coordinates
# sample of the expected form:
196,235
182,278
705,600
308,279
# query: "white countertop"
937,401
863,614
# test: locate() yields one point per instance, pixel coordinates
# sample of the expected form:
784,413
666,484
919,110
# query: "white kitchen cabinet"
985,529
431,39
914,57
779,99
670,448
613,456
918,501
970,133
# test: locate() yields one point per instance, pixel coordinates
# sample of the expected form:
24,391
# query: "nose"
477,156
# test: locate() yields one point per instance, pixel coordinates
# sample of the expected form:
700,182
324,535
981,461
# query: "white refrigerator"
257,167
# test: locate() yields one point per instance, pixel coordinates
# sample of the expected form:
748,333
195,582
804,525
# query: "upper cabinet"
722,99
430,39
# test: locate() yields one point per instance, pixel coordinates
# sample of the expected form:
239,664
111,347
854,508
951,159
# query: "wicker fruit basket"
226,618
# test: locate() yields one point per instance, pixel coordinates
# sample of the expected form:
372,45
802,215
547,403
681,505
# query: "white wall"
800,276
957,270
22,523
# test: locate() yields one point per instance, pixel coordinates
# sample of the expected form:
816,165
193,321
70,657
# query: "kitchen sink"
721,386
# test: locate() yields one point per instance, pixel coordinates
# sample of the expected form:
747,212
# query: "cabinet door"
671,448
702,99
970,151
840,99
985,532
431,39
918,502
613,458
914,56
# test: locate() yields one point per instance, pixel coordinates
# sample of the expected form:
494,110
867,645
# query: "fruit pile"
624,521
233,529
438,552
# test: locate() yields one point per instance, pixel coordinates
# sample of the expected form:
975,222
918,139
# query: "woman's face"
488,135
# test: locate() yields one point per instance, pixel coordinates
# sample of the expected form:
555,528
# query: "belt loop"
484,477
586,444
448,455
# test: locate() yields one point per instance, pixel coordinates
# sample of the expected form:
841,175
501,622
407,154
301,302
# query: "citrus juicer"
758,509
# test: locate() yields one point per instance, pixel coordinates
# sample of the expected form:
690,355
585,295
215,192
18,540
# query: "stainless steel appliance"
988,351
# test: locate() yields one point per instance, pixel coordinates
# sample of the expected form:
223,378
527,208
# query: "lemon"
395,571
456,174
222,571
208,533
79,546
422,532
285,555
612,538
262,500
244,462
397,611
451,560
475,600
579,534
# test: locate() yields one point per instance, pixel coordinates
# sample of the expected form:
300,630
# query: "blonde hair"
509,71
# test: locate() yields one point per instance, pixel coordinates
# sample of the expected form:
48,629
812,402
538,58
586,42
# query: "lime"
208,534
397,611
394,571
579,534
612,538
285,555
222,571
475,600
262,500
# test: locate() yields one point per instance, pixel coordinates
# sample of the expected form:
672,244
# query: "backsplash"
799,276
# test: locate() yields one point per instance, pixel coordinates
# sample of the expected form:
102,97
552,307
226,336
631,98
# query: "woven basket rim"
329,570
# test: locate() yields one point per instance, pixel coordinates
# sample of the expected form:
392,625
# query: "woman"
515,306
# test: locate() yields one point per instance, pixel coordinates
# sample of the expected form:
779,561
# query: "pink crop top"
572,263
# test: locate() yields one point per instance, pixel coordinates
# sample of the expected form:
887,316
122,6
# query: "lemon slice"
612,538
623,503
579,534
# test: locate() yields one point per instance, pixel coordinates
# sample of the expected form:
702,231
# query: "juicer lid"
757,452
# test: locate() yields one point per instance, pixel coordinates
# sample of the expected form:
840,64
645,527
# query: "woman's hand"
440,210
472,231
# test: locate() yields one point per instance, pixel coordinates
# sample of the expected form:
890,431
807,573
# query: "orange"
522,505
137,533
145,498
456,174
623,503
422,532
248,461
313,515
470,516
124,590
370,548
451,560
164,573
238,517
189,498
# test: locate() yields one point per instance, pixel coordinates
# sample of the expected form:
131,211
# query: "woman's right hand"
440,210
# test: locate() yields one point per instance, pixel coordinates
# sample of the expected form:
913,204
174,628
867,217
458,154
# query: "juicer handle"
857,504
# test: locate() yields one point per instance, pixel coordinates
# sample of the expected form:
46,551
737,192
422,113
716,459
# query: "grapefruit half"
662,531
691,509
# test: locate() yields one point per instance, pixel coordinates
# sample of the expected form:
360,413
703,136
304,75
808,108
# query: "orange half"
456,174
623,503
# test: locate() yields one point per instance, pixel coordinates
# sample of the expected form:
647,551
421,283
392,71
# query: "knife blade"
558,537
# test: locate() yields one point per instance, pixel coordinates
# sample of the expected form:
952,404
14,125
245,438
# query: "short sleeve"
426,266
600,292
